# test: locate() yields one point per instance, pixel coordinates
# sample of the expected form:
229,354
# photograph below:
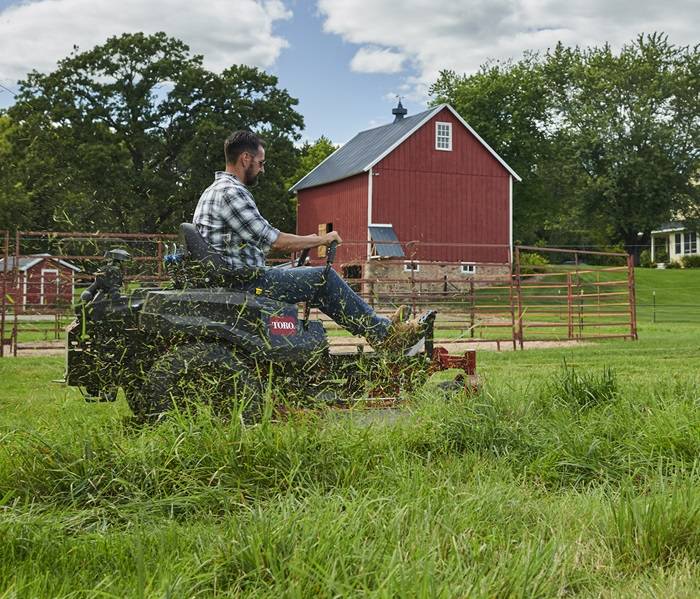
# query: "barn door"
49,286
322,230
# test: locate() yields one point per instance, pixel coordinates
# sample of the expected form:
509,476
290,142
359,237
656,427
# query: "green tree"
310,156
632,122
15,206
126,136
507,105
606,144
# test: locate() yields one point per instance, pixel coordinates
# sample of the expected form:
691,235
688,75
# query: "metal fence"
36,306
537,295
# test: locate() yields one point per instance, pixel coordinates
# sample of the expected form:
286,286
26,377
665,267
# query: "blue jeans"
331,295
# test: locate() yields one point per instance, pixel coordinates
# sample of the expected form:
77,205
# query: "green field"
575,471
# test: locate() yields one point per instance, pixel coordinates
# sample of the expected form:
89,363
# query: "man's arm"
293,243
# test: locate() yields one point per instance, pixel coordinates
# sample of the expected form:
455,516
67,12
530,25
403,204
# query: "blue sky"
345,60
334,100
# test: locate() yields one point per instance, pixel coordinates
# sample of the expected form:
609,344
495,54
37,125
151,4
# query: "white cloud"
34,35
463,34
376,60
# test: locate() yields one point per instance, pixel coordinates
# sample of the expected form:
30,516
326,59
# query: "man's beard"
251,180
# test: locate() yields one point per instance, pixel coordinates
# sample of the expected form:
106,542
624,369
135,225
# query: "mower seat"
199,250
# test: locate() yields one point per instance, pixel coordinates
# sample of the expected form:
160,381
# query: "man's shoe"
426,323
408,335
401,314
402,335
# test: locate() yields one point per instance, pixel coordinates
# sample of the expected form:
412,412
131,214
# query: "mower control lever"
329,262
302,257
330,257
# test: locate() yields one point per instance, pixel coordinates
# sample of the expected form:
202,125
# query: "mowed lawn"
575,471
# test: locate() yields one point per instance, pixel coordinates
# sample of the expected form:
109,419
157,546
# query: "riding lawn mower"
209,337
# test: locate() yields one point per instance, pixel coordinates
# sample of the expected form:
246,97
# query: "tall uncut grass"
572,472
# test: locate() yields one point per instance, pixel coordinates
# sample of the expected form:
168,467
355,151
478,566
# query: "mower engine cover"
262,327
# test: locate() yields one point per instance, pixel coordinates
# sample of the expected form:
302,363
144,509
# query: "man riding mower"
212,337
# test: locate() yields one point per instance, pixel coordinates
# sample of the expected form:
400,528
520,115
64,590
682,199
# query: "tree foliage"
310,156
16,210
608,144
127,135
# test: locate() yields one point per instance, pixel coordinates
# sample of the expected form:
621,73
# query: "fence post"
632,297
3,304
159,257
413,281
570,306
472,306
20,303
653,306
517,333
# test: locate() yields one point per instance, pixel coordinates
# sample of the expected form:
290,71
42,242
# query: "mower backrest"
199,248
214,271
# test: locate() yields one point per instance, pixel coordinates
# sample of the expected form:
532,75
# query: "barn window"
385,244
468,268
411,267
322,230
679,243
443,136
691,239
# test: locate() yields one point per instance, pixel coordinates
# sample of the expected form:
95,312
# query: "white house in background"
674,240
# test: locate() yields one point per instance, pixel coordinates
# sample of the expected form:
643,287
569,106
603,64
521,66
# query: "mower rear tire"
201,373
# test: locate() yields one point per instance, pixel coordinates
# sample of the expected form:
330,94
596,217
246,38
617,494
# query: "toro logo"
283,325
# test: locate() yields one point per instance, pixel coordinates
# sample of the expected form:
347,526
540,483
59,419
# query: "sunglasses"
261,163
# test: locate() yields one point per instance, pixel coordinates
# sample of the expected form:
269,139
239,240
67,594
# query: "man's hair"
239,142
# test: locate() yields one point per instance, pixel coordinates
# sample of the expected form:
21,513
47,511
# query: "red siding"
460,196
428,195
343,203
57,286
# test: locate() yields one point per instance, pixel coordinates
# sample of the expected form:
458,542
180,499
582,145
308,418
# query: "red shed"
42,281
428,178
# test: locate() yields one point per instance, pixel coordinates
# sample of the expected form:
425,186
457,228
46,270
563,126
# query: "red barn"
42,281
428,178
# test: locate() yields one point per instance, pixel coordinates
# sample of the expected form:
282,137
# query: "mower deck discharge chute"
211,338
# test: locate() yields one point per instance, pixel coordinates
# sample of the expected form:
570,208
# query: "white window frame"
24,289
411,267
470,268
442,136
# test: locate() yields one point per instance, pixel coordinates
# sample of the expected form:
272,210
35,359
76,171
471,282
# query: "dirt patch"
338,344
43,348
460,347
345,344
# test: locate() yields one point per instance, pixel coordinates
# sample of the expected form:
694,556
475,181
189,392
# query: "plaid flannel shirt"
227,217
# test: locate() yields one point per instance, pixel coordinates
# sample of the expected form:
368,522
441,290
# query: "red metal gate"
575,295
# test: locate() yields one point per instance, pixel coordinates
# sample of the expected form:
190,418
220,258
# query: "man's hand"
330,237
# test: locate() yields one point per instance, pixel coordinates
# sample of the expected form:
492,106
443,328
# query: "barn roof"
26,262
367,148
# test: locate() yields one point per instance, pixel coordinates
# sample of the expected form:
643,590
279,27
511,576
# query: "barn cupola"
399,112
